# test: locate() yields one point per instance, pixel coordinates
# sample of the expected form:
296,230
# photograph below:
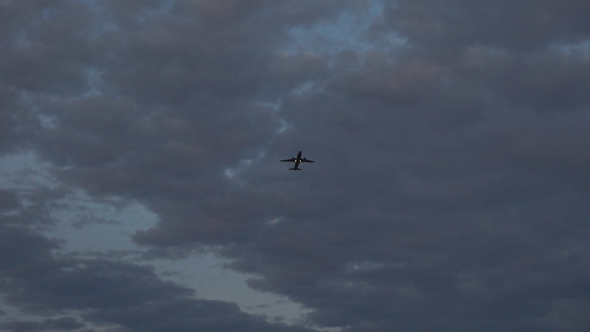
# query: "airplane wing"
305,160
292,160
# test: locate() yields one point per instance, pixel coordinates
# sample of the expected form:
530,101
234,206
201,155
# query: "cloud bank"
449,193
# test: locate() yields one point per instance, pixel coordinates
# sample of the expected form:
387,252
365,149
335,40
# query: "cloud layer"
449,193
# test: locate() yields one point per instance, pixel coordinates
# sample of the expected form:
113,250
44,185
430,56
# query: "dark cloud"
532,55
44,53
104,292
520,25
60,324
8,200
450,188
190,315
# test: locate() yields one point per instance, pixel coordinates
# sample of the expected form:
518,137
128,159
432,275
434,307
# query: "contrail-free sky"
141,188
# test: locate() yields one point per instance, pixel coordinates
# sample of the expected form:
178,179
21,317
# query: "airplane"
297,161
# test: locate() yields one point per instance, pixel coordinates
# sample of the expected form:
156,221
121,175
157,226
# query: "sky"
141,188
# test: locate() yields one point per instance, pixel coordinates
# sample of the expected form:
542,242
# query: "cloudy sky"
140,188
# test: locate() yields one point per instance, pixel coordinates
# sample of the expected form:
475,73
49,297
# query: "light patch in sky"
305,88
23,171
206,274
233,172
203,272
274,221
349,32
276,107
95,226
94,81
363,267
91,226
581,49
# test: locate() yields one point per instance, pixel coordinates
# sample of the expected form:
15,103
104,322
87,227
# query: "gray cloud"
449,192
8,200
104,292
519,25
60,324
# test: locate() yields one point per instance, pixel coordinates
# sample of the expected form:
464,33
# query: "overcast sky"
140,188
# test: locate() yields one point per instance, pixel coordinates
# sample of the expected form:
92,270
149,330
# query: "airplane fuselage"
297,161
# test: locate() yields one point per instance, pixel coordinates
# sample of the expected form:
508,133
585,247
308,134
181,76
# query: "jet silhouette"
297,160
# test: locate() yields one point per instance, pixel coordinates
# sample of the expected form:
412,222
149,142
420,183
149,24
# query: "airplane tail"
294,169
